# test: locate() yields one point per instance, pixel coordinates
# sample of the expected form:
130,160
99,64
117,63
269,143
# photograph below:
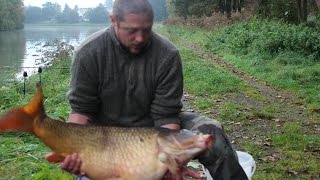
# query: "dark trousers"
221,159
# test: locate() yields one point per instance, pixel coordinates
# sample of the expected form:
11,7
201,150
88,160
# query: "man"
127,75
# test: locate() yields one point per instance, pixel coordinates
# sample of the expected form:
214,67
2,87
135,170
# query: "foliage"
33,14
290,11
98,14
11,14
160,9
192,7
188,8
50,10
68,15
263,37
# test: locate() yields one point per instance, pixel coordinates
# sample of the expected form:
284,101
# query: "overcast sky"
71,3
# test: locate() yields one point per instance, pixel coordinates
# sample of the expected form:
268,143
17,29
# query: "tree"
227,6
196,8
50,10
98,14
68,15
291,11
11,14
33,14
302,7
181,7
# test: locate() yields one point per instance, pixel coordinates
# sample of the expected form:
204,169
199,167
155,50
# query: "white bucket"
247,163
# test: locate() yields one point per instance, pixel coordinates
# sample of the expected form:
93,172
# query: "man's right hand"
72,164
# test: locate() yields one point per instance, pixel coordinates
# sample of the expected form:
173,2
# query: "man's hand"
184,172
72,164
171,126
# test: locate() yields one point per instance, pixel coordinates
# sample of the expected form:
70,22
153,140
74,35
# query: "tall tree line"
195,8
295,11
159,8
52,12
11,14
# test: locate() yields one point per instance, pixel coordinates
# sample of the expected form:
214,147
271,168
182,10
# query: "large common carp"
108,152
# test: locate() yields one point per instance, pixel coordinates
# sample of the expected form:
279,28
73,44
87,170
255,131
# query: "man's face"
134,32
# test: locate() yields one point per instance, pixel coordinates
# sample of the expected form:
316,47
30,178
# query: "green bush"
267,38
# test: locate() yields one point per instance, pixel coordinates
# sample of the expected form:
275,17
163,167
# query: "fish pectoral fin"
54,157
170,163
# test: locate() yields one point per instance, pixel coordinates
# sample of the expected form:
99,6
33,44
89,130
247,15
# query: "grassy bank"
284,143
286,56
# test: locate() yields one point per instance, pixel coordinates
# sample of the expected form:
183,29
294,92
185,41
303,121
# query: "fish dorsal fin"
35,107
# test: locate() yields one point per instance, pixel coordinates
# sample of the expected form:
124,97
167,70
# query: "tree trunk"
241,2
234,6
304,10
228,8
299,10
302,6
222,6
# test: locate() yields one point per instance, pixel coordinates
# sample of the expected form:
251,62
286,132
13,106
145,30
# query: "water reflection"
23,50
12,50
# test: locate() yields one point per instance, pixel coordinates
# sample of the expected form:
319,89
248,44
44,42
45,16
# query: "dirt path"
287,106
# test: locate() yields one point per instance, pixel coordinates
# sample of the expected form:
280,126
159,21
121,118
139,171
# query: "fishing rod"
30,67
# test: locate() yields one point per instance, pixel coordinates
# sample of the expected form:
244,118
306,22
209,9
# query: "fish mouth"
205,141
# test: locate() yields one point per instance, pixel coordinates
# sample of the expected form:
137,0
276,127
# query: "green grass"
286,56
22,158
21,155
203,78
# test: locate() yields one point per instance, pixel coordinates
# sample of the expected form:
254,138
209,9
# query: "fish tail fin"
26,117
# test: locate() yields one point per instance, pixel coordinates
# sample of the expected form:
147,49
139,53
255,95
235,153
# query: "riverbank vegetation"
11,15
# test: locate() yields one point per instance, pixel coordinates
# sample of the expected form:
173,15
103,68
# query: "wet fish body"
108,152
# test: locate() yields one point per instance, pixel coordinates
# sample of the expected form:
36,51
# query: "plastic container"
247,163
